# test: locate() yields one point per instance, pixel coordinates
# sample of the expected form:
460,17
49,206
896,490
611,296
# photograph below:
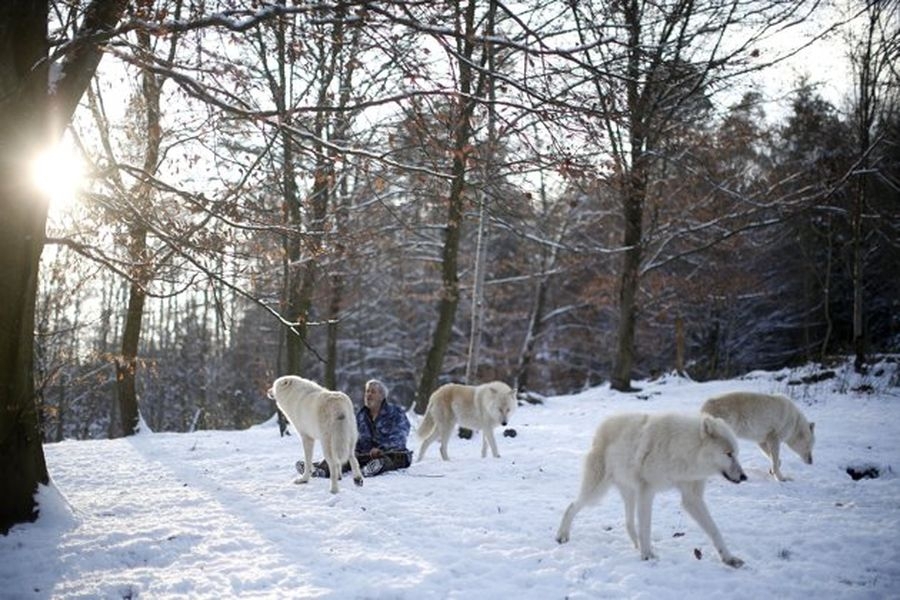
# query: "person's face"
374,397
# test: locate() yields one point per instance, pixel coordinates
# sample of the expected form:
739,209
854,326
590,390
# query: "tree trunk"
334,314
477,299
868,65
535,323
859,339
826,293
629,282
21,241
127,362
23,129
124,418
440,340
679,345
632,205
345,65
301,294
488,160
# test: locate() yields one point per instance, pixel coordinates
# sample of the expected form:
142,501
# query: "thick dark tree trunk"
22,465
629,283
125,414
23,215
632,204
28,121
124,418
440,340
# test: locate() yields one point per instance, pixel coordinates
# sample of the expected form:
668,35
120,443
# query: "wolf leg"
357,473
644,497
427,442
334,472
693,503
307,458
593,486
565,526
487,435
628,497
445,439
772,447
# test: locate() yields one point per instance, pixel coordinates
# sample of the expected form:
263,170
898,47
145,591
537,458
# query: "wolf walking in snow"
320,414
482,407
642,454
768,421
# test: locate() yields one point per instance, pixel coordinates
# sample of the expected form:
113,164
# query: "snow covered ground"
215,514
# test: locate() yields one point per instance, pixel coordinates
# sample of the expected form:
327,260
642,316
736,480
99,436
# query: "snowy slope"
215,514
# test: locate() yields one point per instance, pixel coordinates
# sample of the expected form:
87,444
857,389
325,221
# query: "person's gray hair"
379,385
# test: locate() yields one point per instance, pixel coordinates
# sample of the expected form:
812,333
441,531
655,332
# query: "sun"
58,173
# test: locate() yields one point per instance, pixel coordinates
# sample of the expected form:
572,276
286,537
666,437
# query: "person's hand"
375,452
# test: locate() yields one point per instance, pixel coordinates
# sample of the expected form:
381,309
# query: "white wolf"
768,421
481,407
642,454
319,414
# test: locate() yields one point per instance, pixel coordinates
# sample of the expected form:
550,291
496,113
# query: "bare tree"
32,114
874,56
666,56
464,107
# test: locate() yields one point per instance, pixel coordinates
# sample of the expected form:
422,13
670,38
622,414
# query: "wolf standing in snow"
642,454
319,414
481,407
768,421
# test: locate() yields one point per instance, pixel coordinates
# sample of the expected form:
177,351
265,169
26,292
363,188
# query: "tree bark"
535,325
124,416
679,345
632,205
449,302
28,122
488,159
629,282
866,107
23,128
127,362
477,323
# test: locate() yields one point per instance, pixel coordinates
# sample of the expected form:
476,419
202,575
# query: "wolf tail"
343,429
342,440
427,425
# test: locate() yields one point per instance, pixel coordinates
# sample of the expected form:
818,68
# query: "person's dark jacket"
388,432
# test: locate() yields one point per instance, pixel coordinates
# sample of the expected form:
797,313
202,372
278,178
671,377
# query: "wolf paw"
733,561
358,481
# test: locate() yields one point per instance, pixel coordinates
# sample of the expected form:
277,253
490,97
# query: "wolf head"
720,447
803,440
292,386
502,401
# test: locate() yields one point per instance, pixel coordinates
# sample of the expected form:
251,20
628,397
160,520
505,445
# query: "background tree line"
570,192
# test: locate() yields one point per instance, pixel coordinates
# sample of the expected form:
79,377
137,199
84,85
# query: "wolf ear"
709,427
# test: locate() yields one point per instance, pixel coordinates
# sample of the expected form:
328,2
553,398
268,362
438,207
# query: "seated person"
383,429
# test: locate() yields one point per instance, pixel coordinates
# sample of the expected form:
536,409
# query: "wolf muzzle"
732,479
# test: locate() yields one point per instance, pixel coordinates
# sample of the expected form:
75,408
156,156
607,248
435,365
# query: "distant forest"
555,194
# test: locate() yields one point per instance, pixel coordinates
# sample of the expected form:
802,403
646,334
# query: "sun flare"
58,173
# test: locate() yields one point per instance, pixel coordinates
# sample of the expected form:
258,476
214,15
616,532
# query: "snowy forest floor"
215,514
